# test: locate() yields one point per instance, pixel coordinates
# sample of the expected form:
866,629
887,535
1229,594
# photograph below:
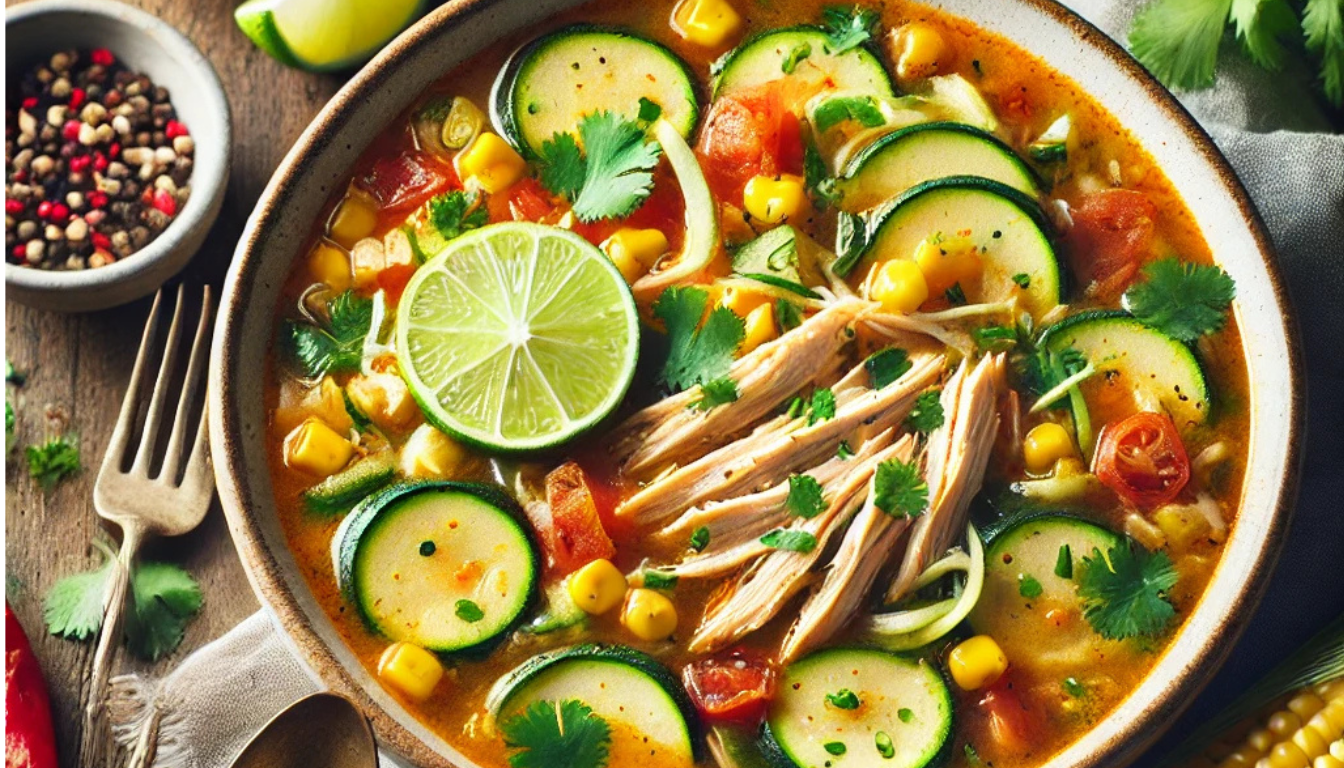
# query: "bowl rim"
267,575
208,187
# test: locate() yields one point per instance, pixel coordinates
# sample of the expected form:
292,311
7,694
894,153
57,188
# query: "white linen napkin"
1278,143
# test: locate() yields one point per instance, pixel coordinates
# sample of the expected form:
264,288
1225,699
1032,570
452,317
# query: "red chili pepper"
100,240
70,131
80,163
60,212
30,740
102,57
97,199
175,129
29,102
165,202
13,206
76,97
44,209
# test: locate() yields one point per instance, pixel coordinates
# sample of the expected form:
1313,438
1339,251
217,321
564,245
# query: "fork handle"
96,738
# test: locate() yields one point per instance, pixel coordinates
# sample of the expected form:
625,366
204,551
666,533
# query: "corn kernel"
947,262
1321,725
597,587
649,615
490,163
353,220
384,398
760,328
1331,690
1182,525
1284,723
743,300
1306,705
1242,758
774,199
1334,714
635,251
919,51
710,23
317,449
1262,740
410,669
1287,755
330,265
898,285
1328,761
1337,750
1044,445
430,453
1312,744
977,663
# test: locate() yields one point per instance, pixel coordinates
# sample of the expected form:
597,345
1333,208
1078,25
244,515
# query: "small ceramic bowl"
34,31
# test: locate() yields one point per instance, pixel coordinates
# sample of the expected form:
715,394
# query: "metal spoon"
322,729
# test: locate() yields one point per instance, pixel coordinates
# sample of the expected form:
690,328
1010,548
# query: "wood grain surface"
79,365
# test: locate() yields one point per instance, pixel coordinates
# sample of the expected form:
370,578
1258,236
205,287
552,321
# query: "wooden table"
80,364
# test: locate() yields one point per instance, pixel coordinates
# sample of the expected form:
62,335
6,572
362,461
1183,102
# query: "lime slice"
517,336
324,35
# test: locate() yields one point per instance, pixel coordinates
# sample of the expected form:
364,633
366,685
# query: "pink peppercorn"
70,131
21,252
76,97
60,212
97,199
100,240
102,57
21,176
99,162
165,202
174,129
114,150
30,102
13,206
80,163
44,209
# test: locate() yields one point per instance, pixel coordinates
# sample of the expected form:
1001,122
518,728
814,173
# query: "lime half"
324,35
517,336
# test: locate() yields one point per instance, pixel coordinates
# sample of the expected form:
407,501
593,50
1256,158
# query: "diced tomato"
529,201
1142,459
732,688
748,134
1112,236
1012,726
570,531
405,180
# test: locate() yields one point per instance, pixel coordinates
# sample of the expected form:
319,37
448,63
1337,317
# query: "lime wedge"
323,35
517,337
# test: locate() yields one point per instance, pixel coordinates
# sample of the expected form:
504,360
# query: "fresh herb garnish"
884,746
805,497
427,548
887,366
1183,300
836,748
720,391
74,606
817,178
790,540
843,699
797,406
899,490
468,611
972,756
788,315
1074,688
1044,369
557,735
848,28
843,452
613,173
796,54
453,213
700,539
337,347
1124,591
1023,280
1028,586
655,579
649,110
13,375
955,295
53,461
1064,562
927,414
860,109
696,355
905,714
995,338
821,407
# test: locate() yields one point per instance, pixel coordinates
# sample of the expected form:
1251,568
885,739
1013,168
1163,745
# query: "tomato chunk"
1112,236
405,180
529,201
752,133
1012,726
732,688
1142,459
569,525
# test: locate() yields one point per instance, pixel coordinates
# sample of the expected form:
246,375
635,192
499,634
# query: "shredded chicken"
956,457
762,591
777,448
671,431
899,327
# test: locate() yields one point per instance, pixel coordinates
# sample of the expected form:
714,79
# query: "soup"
757,384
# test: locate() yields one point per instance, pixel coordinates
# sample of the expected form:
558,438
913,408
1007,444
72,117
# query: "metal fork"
142,505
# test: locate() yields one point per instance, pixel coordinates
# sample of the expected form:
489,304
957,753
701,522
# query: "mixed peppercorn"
96,162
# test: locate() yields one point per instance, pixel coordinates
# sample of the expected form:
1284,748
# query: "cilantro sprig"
805,497
887,366
612,173
336,346
848,27
566,734
696,354
53,461
720,391
453,213
1183,300
927,414
790,540
1124,591
899,489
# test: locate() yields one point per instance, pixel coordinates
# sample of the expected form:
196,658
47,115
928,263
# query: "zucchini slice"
558,612
443,565
1009,228
1023,582
348,487
550,83
765,59
776,258
904,717
919,153
1134,356
642,701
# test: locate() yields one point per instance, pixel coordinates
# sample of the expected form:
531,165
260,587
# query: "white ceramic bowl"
34,31
323,156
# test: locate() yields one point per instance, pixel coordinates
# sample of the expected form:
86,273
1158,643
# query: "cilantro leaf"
927,415
1323,23
720,391
1064,562
955,295
797,54
848,28
899,490
836,748
1263,26
468,611
1023,280
995,338
1124,592
453,213
788,315
696,356
1177,40
649,110
887,366
337,347
843,699
1029,586
790,540
860,109
1184,301
822,406
73,608
1044,369
53,461
1074,688
805,497
843,451
817,178
616,166
700,538
566,734
164,597
655,579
